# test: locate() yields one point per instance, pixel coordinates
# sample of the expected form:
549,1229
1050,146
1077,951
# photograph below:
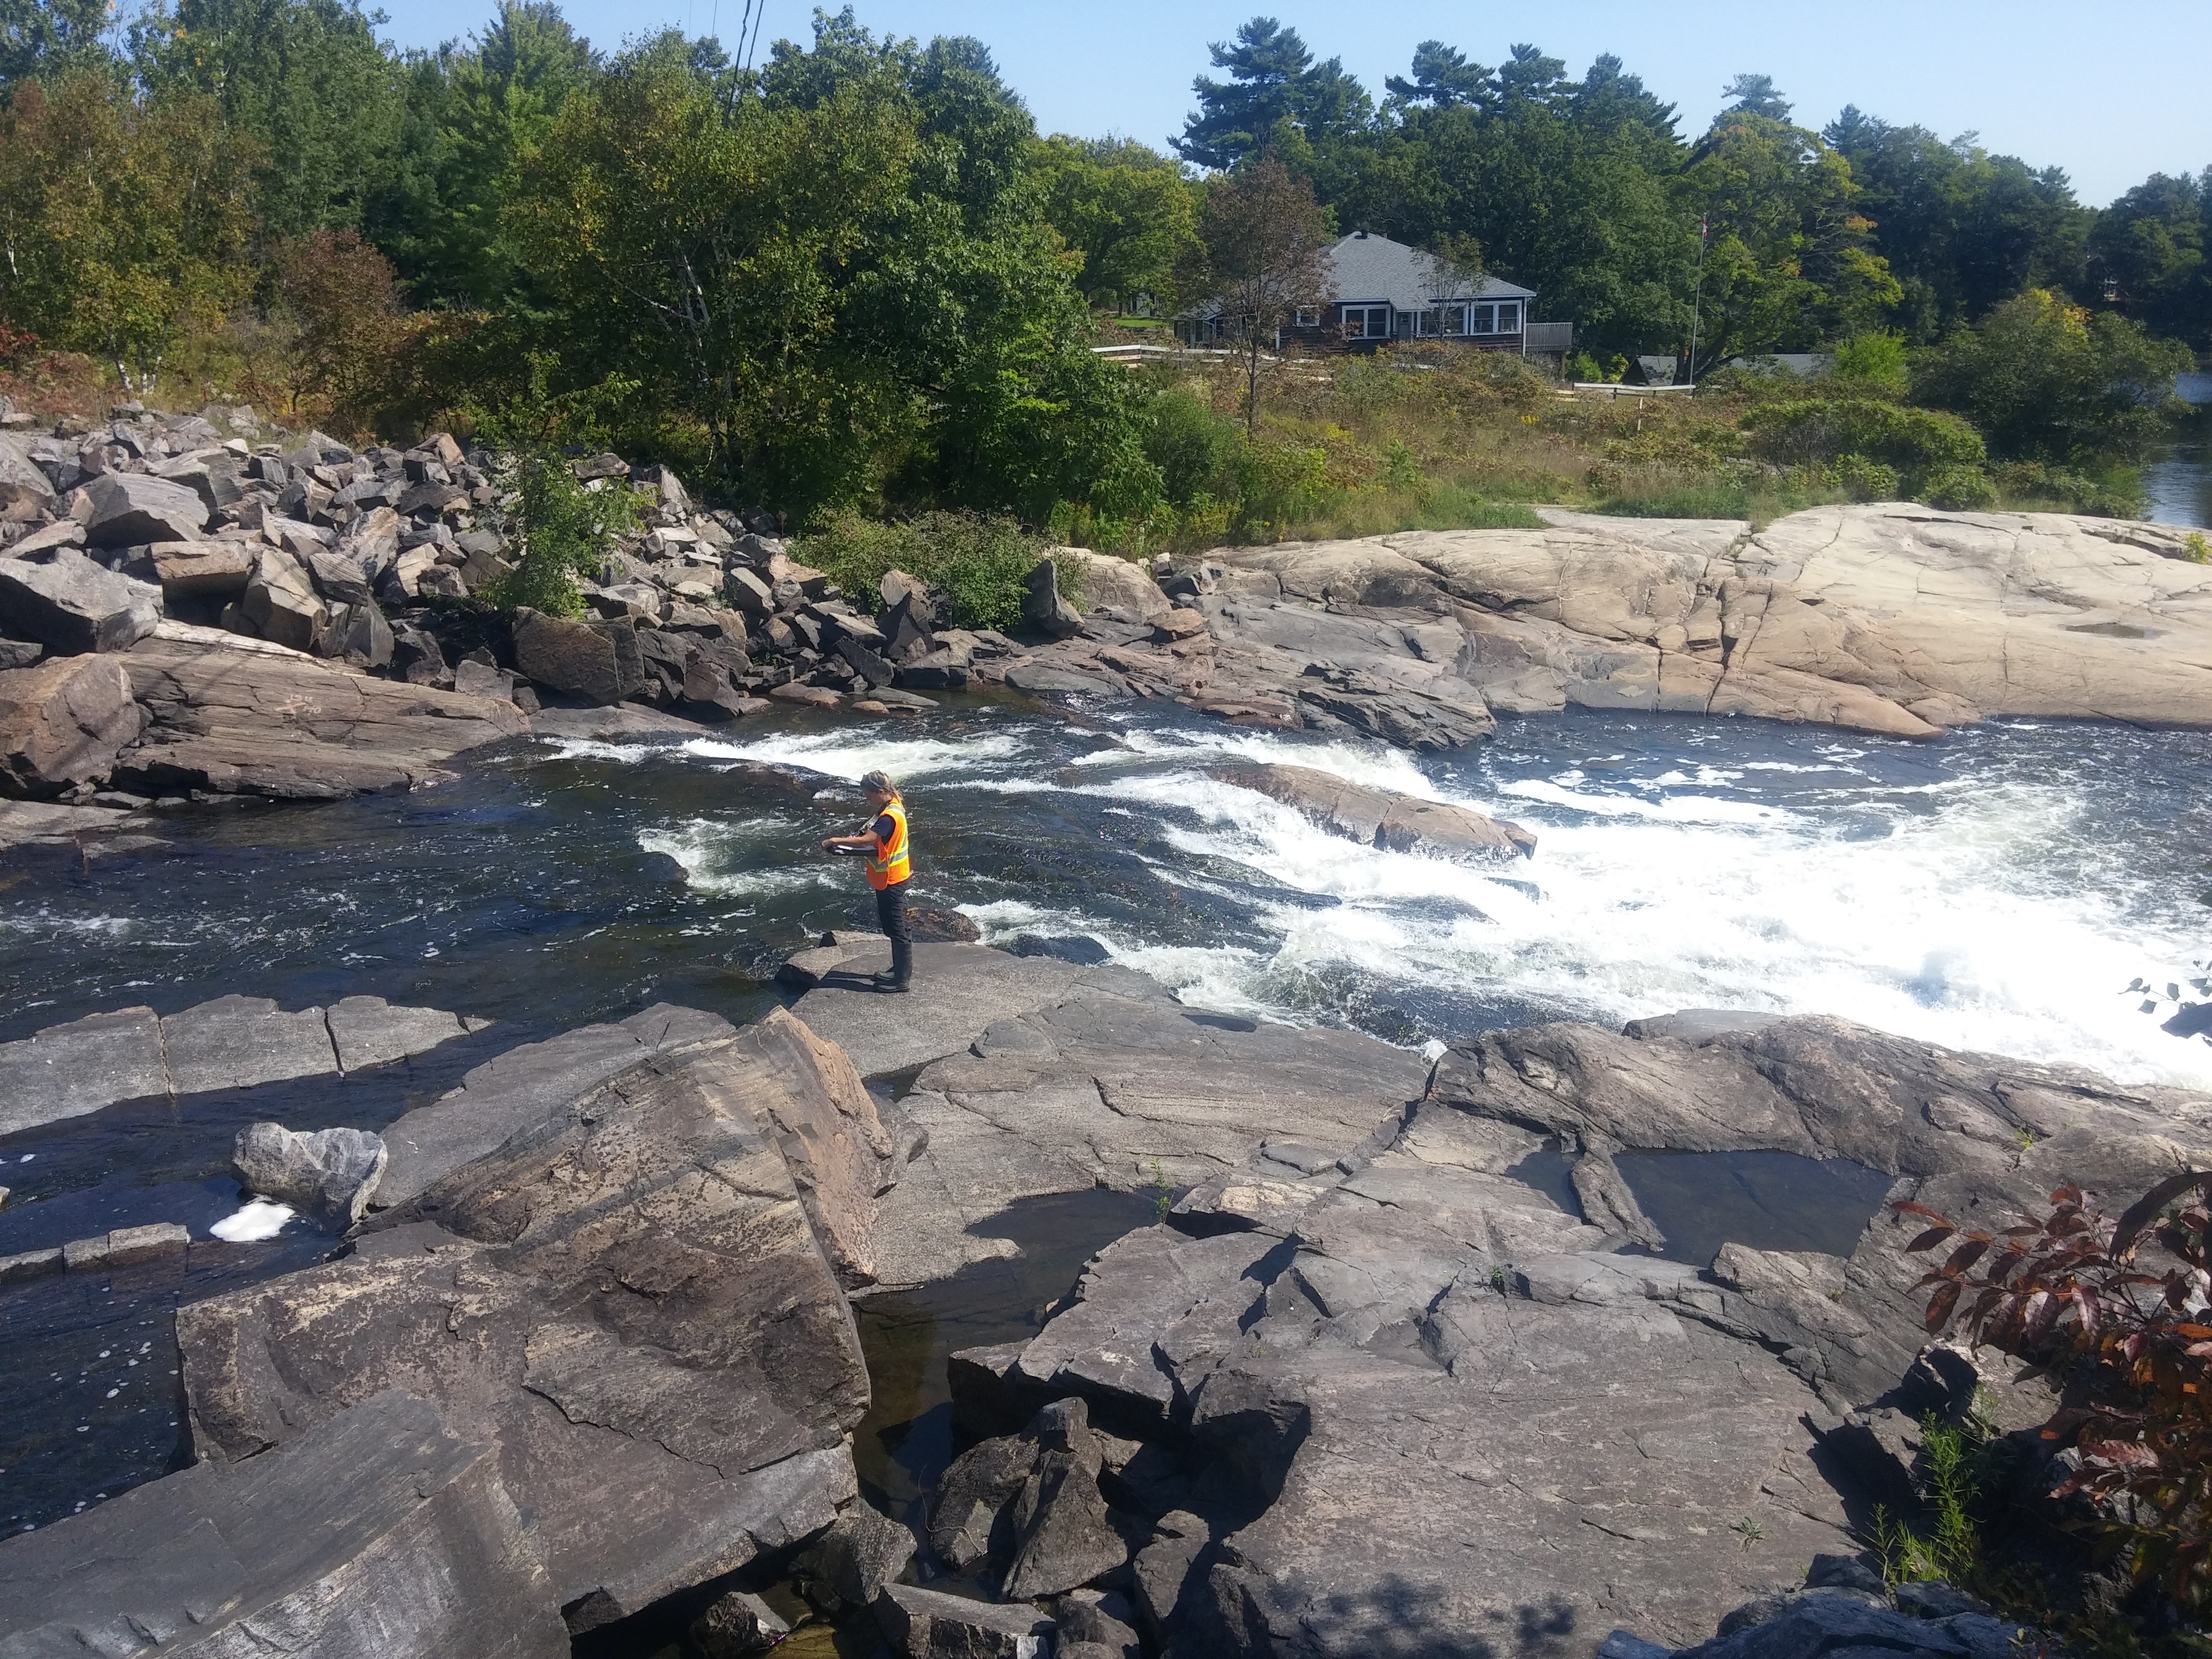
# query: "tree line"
1588,190
850,270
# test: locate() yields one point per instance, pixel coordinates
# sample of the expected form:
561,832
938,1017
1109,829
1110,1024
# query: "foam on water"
736,857
1901,887
850,751
257,1219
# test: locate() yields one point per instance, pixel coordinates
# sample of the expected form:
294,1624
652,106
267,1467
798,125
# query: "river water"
1994,888
2178,479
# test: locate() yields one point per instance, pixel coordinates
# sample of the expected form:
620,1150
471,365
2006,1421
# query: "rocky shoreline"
588,1355
184,614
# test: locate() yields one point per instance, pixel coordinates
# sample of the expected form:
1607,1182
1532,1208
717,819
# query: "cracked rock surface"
625,1293
1889,618
1388,1399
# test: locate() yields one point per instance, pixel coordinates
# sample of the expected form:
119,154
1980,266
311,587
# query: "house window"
1454,319
1509,319
1305,319
1367,322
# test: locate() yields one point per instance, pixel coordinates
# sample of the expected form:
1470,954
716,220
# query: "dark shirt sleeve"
883,828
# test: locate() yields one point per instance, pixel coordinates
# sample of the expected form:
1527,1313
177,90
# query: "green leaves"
2048,380
565,531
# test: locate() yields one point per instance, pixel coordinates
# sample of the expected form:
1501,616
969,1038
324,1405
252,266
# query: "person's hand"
829,843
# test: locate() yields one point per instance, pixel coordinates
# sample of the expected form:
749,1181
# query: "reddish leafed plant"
2120,1311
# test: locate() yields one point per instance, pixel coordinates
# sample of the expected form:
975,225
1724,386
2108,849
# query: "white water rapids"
1968,893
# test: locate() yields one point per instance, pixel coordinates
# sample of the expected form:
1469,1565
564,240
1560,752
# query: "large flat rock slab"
379,1535
232,1042
517,1089
959,990
2044,614
1096,1088
46,823
1889,618
235,721
625,1293
1416,1408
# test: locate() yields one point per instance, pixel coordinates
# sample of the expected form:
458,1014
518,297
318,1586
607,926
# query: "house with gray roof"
1384,291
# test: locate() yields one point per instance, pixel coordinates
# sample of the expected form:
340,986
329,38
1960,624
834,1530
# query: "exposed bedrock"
1404,1404
379,1534
232,1042
1891,618
1038,1076
1376,818
600,1253
230,720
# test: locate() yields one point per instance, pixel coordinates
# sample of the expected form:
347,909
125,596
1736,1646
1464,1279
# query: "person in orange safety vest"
889,868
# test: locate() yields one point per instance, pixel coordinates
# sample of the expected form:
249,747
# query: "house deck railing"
1549,337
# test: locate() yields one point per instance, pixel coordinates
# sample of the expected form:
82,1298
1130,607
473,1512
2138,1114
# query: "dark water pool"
906,1441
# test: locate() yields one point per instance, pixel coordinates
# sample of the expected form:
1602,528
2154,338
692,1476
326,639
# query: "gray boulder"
327,1176
598,661
281,604
967,1522
62,722
418,659
1062,1537
360,634
378,1534
338,577
64,601
128,509
848,1565
738,1626
1096,1625
27,494
201,570
212,475
922,1623
1042,608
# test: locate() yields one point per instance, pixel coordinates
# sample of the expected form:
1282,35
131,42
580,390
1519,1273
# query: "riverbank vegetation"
2112,1310
847,280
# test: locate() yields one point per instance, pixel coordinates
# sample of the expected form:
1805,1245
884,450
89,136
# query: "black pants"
890,916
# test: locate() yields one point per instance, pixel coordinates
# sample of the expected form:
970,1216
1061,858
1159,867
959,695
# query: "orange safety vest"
888,865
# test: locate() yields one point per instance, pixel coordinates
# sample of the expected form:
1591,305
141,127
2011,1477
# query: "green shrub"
1189,443
2111,491
1277,484
1821,430
1863,480
2051,380
1877,358
978,563
1958,489
565,531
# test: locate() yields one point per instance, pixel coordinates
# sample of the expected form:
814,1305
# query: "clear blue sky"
2111,92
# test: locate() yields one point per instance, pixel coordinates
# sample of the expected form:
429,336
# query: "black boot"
902,973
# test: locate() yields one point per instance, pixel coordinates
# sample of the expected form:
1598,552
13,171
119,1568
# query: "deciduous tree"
1262,238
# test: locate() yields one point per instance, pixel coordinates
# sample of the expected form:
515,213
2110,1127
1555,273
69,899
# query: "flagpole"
1698,299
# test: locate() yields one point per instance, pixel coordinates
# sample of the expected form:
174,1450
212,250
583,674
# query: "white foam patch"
1951,920
1673,809
592,749
737,858
259,1220
848,752
1372,764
